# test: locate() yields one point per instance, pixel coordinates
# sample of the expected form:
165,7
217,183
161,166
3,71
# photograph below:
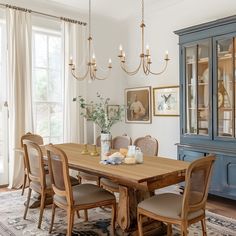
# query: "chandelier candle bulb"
121,50
93,58
71,61
147,50
167,56
110,65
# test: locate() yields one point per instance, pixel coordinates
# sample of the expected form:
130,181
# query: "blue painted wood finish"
193,146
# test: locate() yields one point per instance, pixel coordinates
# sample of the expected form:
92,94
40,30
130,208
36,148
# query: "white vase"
106,140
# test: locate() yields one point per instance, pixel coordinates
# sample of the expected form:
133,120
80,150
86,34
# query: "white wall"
161,22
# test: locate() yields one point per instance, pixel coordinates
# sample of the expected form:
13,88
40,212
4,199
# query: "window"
47,85
3,108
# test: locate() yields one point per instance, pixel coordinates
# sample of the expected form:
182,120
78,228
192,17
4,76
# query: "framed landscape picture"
138,102
166,101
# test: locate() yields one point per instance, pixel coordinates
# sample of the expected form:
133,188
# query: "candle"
166,56
94,133
147,50
110,65
121,50
93,58
71,61
85,131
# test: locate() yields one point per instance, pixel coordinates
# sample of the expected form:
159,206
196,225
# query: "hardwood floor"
218,205
222,206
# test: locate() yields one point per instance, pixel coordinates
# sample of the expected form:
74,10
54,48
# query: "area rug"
13,224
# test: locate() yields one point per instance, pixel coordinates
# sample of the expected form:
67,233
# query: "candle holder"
94,151
85,150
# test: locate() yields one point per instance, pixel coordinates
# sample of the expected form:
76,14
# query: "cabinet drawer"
186,155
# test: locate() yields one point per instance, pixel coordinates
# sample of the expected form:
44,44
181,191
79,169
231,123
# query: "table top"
154,171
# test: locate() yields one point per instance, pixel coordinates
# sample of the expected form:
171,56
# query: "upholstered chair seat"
158,205
86,194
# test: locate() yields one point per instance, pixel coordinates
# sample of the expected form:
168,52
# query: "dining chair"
39,181
74,198
148,145
34,138
185,209
118,142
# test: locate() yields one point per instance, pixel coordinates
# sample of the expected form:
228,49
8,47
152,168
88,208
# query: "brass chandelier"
91,70
145,57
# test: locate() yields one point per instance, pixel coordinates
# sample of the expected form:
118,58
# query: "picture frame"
166,101
112,110
89,109
138,103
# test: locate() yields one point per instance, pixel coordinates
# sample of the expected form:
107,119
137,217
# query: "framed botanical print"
138,103
166,101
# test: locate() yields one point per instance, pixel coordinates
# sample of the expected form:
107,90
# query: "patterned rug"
13,224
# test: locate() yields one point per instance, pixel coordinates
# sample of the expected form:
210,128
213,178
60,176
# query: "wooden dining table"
136,181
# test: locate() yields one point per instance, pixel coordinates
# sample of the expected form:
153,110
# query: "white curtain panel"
19,32
74,42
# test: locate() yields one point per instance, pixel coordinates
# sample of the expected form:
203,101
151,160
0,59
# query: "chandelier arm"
102,78
131,72
158,73
77,77
145,67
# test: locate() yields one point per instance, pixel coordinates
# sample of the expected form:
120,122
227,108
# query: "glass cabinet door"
197,88
225,49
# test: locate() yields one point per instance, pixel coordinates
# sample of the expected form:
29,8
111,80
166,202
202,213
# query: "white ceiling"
117,9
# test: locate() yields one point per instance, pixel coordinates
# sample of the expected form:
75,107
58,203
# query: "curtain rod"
44,14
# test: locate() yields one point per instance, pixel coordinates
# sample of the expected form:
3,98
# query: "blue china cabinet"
208,99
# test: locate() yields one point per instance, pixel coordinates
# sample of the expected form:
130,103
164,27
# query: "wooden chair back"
34,162
32,137
121,142
197,181
59,173
148,145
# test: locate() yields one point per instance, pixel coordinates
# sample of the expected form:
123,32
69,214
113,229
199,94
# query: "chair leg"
78,215
184,230
86,215
70,217
169,229
42,206
24,183
113,218
203,223
53,216
27,203
140,222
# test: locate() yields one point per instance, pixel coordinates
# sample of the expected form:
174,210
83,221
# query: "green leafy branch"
98,112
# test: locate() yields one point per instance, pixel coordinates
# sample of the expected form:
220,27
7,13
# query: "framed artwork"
89,110
138,102
166,101
112,111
